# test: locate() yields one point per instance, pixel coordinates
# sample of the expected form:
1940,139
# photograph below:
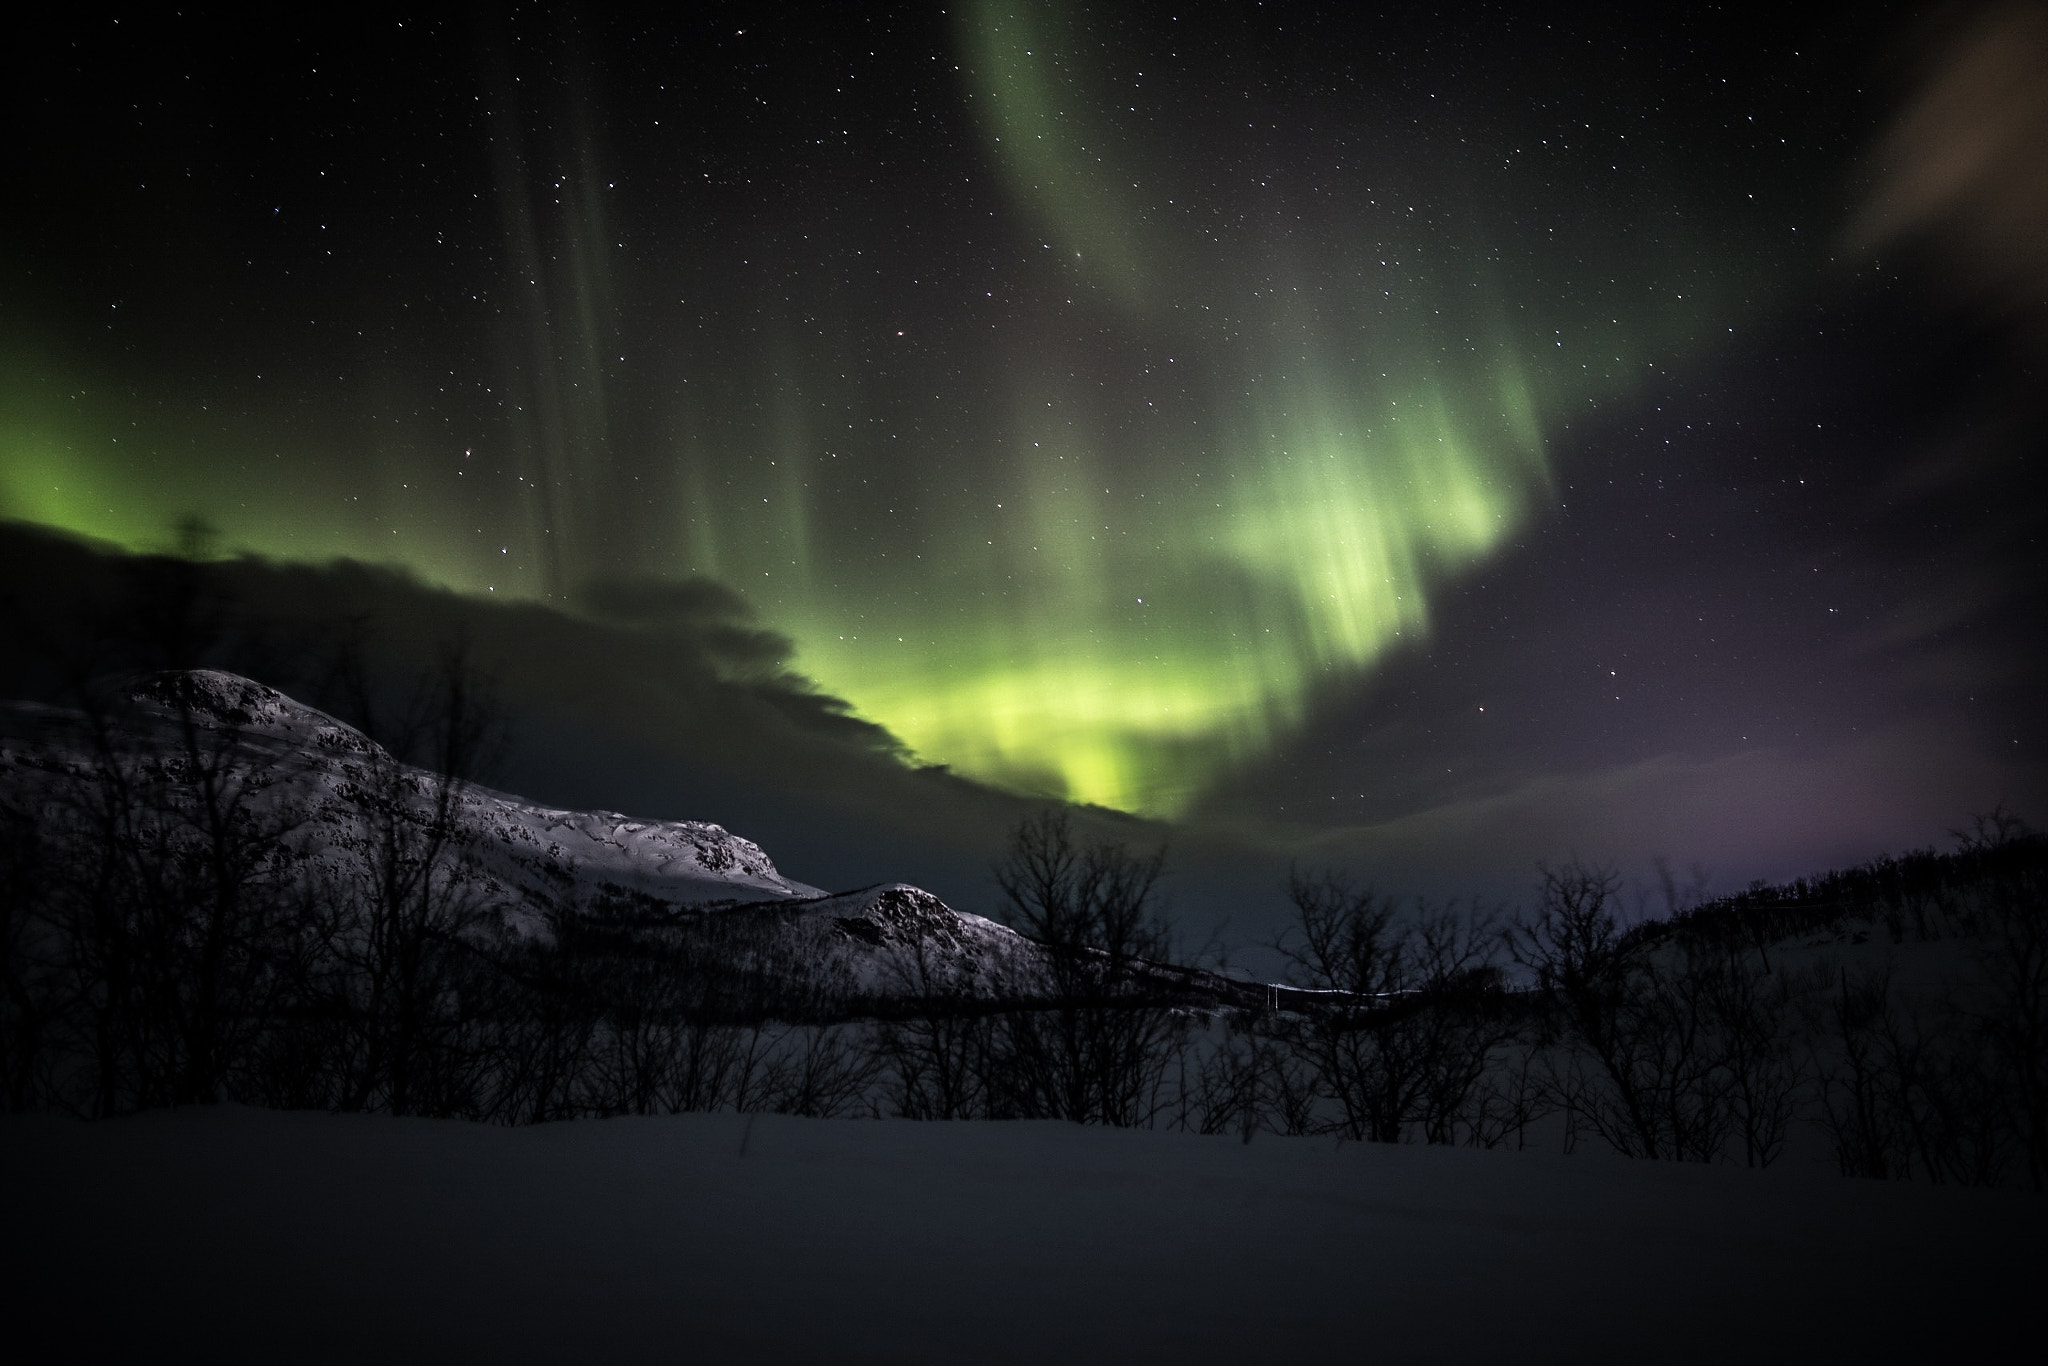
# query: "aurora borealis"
1098,398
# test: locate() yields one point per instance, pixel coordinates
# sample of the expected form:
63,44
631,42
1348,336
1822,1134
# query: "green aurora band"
1110,594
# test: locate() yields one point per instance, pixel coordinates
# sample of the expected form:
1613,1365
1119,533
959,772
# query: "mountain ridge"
531,864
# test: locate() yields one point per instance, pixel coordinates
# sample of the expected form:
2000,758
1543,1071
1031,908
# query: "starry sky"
1431,441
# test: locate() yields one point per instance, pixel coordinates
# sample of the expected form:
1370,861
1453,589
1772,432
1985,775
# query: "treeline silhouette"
176,927
176,931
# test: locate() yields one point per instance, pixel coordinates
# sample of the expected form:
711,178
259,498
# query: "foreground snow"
728,1238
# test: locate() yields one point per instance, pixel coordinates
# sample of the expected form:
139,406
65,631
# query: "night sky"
1430,442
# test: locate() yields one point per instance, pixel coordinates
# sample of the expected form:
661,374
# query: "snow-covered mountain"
895,941
525,863
339,795
330,771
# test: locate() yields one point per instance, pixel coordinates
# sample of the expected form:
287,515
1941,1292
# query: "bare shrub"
1099,1051
1399,1022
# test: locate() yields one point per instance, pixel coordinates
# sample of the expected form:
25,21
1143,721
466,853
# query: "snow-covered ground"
247,1235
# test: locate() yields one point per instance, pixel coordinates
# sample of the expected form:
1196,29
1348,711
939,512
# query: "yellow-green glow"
1202,455
1318,557
128,470
61,464
41,481
1035,99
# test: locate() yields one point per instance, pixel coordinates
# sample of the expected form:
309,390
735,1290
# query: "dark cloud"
1762,813
649,718
1964,164
651,601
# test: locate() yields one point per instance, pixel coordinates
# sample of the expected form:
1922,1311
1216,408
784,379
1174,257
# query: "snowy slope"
242,1235
530,855
896,942
900,941
527,862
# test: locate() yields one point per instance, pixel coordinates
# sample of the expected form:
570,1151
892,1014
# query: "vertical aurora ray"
1058,161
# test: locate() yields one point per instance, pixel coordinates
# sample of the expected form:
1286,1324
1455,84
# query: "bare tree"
172,897
1510,1096
402,948
822,1070
224,883
31,995
1399,1025
1757,1045
1910,1086
1638,1065
2014,963
1099,1050
1224,1082
938,1049
1859,1087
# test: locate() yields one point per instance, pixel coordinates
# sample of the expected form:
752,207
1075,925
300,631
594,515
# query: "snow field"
255,1235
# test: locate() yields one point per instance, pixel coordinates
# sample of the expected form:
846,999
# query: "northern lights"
1218,455
1097,398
